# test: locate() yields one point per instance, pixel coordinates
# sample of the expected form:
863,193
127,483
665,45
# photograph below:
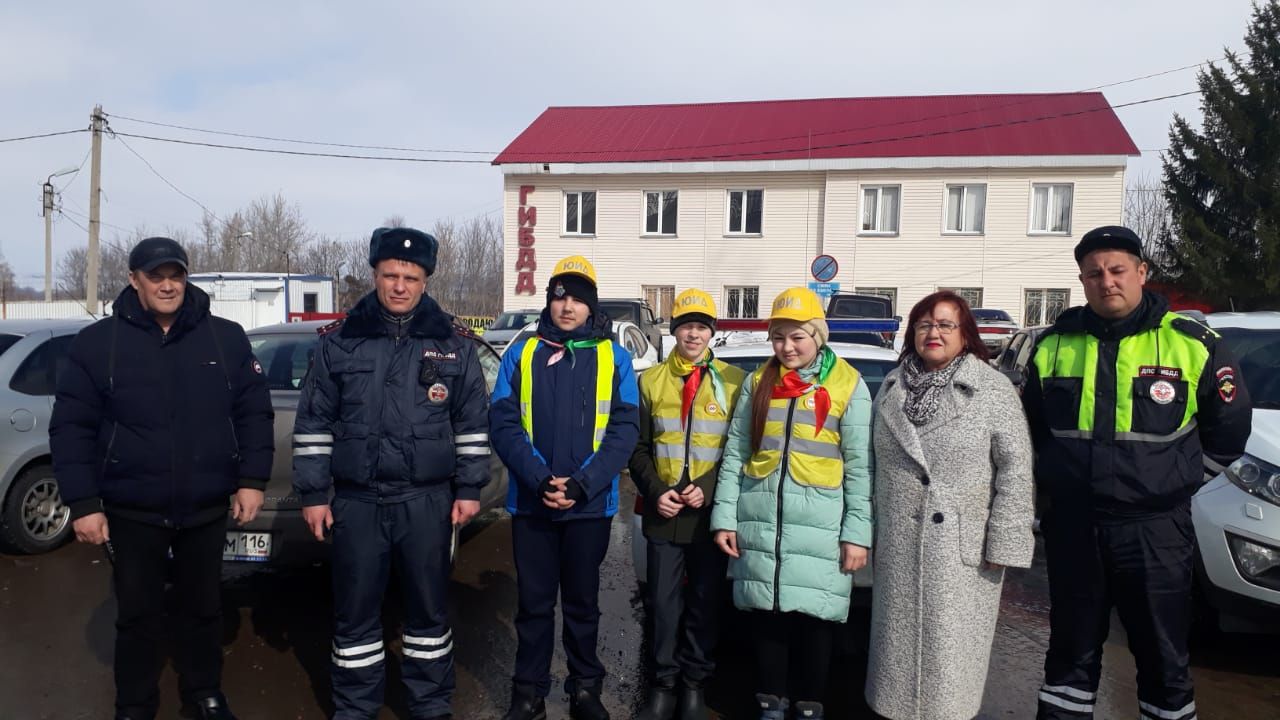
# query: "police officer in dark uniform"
395,410
1130,405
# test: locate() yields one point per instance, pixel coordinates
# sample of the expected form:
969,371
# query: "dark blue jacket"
160,427
564,424
384,418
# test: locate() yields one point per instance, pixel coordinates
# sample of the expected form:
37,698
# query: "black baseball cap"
1109,237
154,252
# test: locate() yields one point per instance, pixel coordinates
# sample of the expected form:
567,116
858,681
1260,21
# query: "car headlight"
1256,477
1257,563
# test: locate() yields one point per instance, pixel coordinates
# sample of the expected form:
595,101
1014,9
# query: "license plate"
247,547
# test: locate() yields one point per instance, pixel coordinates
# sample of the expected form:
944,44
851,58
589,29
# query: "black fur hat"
405,244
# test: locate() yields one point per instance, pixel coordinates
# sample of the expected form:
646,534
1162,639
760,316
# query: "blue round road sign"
824,268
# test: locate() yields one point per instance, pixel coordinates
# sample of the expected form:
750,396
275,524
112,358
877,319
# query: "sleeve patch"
1225,378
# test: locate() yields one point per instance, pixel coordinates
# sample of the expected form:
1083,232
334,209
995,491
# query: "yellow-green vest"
604,388
708,424
1154,370
814,456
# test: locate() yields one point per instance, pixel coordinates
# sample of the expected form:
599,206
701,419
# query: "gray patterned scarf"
924,388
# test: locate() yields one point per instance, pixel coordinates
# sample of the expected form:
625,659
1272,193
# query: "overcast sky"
472,75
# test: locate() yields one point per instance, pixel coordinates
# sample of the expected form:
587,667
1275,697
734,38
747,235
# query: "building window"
580,213
746,212
742,302
1051,209
884,292
1043,306
310,302
660,212
660,298
971,295
966,208
880,209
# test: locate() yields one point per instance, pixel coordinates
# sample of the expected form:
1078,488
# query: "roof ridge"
783,101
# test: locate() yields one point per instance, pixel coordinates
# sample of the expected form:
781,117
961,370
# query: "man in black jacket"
394,415
161,415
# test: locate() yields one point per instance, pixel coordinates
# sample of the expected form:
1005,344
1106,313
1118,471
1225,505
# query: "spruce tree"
1223,183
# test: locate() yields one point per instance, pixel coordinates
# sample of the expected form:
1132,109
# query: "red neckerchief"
687,394
791,386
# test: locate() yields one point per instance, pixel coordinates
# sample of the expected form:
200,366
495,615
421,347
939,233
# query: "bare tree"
468,276
1146,212
395,221
113,270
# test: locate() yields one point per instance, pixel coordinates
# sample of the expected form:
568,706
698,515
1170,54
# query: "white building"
983,194
257,299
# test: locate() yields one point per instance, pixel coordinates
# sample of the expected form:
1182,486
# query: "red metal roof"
882,127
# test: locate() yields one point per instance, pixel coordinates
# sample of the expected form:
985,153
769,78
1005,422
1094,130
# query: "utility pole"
48,242
95,193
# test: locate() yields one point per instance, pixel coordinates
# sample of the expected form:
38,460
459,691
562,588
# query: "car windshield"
984,314
285,357
514,320
7,341
1258,352
872,371
621,310
855,307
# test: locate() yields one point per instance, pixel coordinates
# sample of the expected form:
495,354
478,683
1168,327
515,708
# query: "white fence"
248,313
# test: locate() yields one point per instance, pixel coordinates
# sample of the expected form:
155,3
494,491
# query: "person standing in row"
1129,405
685,406
394,415
954,507
564,420
793,503
161,414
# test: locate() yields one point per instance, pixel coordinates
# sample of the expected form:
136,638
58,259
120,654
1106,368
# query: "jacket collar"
365,320
195,308
1081,319
598,326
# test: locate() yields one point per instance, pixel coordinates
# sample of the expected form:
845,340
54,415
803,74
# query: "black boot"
584,702
213,708
526,705
659,703
808,710
772,707
693,705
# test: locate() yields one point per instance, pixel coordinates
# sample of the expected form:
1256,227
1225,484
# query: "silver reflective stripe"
481,450
600,435
313,450
664,424
810,417
1070,692
472,438
427,641
1072,434
710,427
362,662
1153,438
706,454
427,654
1150,710
1065,704
357,650
602,407
770,442
315,438
1213,466
776,414
817,448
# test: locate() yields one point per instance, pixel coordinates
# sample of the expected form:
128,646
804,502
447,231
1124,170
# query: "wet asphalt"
57,614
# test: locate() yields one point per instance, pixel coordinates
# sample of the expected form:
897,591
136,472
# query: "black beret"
1109,237
405,244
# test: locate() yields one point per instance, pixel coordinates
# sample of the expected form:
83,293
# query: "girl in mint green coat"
793,503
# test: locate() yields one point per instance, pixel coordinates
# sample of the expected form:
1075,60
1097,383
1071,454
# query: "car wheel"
34,520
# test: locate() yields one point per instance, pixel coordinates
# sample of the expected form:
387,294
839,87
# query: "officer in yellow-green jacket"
685,406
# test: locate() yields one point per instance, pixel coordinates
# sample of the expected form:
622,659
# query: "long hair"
968,326
761,394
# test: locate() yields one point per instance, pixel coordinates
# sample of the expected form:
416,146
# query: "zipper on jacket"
111,443
777,533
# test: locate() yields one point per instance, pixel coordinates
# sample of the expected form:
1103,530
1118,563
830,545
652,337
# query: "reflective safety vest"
604,387
1156,376
813,455
698,447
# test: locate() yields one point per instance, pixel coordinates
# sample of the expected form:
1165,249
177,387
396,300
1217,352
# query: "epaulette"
326,329
463,329
1195,329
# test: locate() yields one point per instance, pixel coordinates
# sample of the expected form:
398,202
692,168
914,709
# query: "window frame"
728,201
963,291
1031,209
862,199
564,213
946,207
1044,304
662,201
728,305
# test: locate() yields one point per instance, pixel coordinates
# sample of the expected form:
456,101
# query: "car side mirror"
658,321
1016,376
641,364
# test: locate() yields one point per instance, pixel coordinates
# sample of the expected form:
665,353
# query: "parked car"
643,354
33,518
278,535
865,307
995,327
872,363
641,315
1237,513
1013,360
506,325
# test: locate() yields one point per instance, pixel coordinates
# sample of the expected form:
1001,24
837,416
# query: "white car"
643,354
1237,513
872,363
995,327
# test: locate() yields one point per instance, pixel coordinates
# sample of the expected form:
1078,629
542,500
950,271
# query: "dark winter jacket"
391,409
160,427
564,398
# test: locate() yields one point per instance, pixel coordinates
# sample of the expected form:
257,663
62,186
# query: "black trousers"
141,558
685,614
793,654
558,557
1141,567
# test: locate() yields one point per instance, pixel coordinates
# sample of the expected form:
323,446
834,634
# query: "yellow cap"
799,304
693,300
576,265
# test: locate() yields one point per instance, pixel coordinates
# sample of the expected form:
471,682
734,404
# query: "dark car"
862,307
640,313
1013,360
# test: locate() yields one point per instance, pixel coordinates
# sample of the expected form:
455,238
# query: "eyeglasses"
946,327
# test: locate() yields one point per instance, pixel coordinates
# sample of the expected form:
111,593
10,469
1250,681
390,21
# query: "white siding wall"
809,212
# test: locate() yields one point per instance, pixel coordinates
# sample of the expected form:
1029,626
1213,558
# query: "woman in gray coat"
953,506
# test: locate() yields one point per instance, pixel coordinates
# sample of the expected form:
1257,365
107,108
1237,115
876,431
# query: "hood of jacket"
195,308
598,326
366,319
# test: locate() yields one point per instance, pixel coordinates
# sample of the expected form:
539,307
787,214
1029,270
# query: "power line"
75,174
100,222
1156,75
303,142
303,153
166,181
43,135
112,243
